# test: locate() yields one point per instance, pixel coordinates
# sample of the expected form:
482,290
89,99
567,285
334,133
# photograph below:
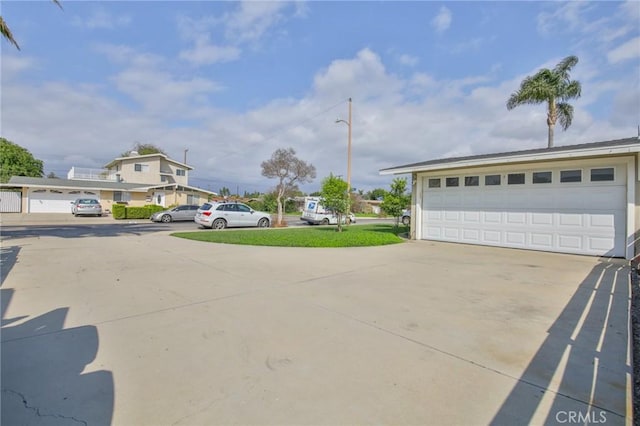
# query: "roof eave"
521,158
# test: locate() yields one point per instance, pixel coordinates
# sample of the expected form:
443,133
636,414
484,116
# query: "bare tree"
289,170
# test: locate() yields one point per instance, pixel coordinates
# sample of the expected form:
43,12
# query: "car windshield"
87,201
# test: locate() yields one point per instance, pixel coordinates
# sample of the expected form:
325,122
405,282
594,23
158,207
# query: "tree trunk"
552,116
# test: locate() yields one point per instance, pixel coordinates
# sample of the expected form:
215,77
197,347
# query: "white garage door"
56,200
569,210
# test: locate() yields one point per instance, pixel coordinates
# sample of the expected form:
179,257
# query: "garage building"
578,199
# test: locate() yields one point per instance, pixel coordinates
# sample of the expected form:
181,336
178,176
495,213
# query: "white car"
222,215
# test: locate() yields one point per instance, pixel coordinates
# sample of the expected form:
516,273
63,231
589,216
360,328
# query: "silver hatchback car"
221,215
182,212
86,206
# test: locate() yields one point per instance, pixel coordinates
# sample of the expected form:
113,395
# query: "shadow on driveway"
587,346
80,231
42,372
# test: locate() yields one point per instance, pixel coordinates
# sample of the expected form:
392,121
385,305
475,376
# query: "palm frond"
565,114
565,65
6,33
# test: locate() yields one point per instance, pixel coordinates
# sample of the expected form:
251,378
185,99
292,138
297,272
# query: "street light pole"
348,123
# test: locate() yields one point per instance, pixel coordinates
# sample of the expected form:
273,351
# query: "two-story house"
136,180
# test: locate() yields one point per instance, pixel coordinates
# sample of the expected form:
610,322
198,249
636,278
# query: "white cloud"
101,19
12,65
628,50
396,120
253,19
408,60
442,21
204,53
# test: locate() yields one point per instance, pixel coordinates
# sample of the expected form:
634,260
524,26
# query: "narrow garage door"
56,200
569,210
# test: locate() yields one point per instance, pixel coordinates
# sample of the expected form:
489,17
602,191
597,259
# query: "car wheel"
263,223
325,221
165,218
219,224
406,220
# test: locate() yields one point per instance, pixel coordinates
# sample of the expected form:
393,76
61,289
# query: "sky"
234,81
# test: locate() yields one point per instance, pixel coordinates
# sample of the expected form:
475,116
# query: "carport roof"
594,149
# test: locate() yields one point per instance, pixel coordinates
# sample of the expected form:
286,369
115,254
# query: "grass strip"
312,236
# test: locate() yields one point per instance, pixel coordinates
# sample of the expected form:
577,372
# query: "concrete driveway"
155,330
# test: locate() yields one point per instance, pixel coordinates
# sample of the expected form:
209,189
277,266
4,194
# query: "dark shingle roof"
497,156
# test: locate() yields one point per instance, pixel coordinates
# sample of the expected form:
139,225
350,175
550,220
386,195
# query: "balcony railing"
80,173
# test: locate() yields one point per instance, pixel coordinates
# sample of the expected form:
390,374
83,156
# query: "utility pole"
349,154
348,123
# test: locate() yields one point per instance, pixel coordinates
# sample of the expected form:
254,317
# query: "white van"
316,214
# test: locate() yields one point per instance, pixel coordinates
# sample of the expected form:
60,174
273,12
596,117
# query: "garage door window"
571,176
472,181
453,181
515,179
490,180
541,177
434,183
601,175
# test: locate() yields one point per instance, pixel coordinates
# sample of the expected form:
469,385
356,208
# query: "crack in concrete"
36,410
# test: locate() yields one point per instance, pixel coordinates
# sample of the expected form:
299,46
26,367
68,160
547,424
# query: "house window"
141,167
121,196
541,177
571,176
434,183
163,179
472,180
453,181
192,199
491,180
181,172
601,175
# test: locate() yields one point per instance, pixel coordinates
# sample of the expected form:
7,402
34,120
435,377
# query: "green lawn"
316,236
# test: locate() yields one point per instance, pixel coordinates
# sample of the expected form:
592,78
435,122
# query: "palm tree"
6,32
554,87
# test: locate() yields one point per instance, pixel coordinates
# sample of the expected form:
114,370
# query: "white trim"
584,153
631,208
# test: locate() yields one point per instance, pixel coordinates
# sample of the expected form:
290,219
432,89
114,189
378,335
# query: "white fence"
10,202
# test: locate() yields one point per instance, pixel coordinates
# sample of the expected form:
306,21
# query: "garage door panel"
493,217
581,217
600,244
542,240
516,238
434,215
541,219
471,235
493,200
602,220
517,218
570,220
491,237
471,217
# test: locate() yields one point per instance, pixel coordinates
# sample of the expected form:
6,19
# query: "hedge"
120,211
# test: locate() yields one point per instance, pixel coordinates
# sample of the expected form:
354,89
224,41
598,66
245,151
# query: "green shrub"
154,208
138,213
119,211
